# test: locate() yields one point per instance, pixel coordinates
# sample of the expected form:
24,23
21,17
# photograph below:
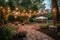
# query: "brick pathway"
33,34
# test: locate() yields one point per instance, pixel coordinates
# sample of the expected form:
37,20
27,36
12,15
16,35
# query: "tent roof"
41,17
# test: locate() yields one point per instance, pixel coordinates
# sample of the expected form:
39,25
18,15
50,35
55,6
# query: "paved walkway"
33,34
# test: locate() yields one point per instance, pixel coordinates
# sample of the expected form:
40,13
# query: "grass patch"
44,26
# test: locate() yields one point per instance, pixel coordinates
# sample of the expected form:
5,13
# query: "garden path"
32,33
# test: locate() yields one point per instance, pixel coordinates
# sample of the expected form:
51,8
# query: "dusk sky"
47,4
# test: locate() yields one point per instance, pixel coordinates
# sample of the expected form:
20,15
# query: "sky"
47,4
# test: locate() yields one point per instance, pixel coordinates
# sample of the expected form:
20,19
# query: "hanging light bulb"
16,13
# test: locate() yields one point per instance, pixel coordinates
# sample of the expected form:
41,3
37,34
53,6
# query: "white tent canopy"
41,17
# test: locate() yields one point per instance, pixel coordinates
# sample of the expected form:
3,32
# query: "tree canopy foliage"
23,4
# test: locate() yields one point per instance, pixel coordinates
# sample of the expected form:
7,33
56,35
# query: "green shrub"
50,16
11,18
19,18
7,32
58,34
44,26
21,34
32,18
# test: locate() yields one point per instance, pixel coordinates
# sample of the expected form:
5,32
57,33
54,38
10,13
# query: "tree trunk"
55,11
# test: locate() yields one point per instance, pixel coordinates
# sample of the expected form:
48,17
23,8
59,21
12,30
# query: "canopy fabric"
41,17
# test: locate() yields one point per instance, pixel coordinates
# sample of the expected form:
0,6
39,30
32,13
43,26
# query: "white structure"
42,19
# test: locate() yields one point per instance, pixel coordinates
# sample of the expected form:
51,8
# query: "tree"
58,2
31,4
12,3
55,11
50,16
2,2
24,4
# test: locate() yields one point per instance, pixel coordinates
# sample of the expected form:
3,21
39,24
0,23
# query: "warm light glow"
16,8
3,11
30,11
8,8
24,10
1,7
54,10
16,13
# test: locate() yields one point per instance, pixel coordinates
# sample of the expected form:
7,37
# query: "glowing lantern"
54,11
3,11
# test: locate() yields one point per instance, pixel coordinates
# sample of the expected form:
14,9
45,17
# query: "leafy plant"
11,18
7,32
44,26
21,34
50,15
32,18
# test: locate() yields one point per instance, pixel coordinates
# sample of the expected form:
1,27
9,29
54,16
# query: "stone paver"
33,34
